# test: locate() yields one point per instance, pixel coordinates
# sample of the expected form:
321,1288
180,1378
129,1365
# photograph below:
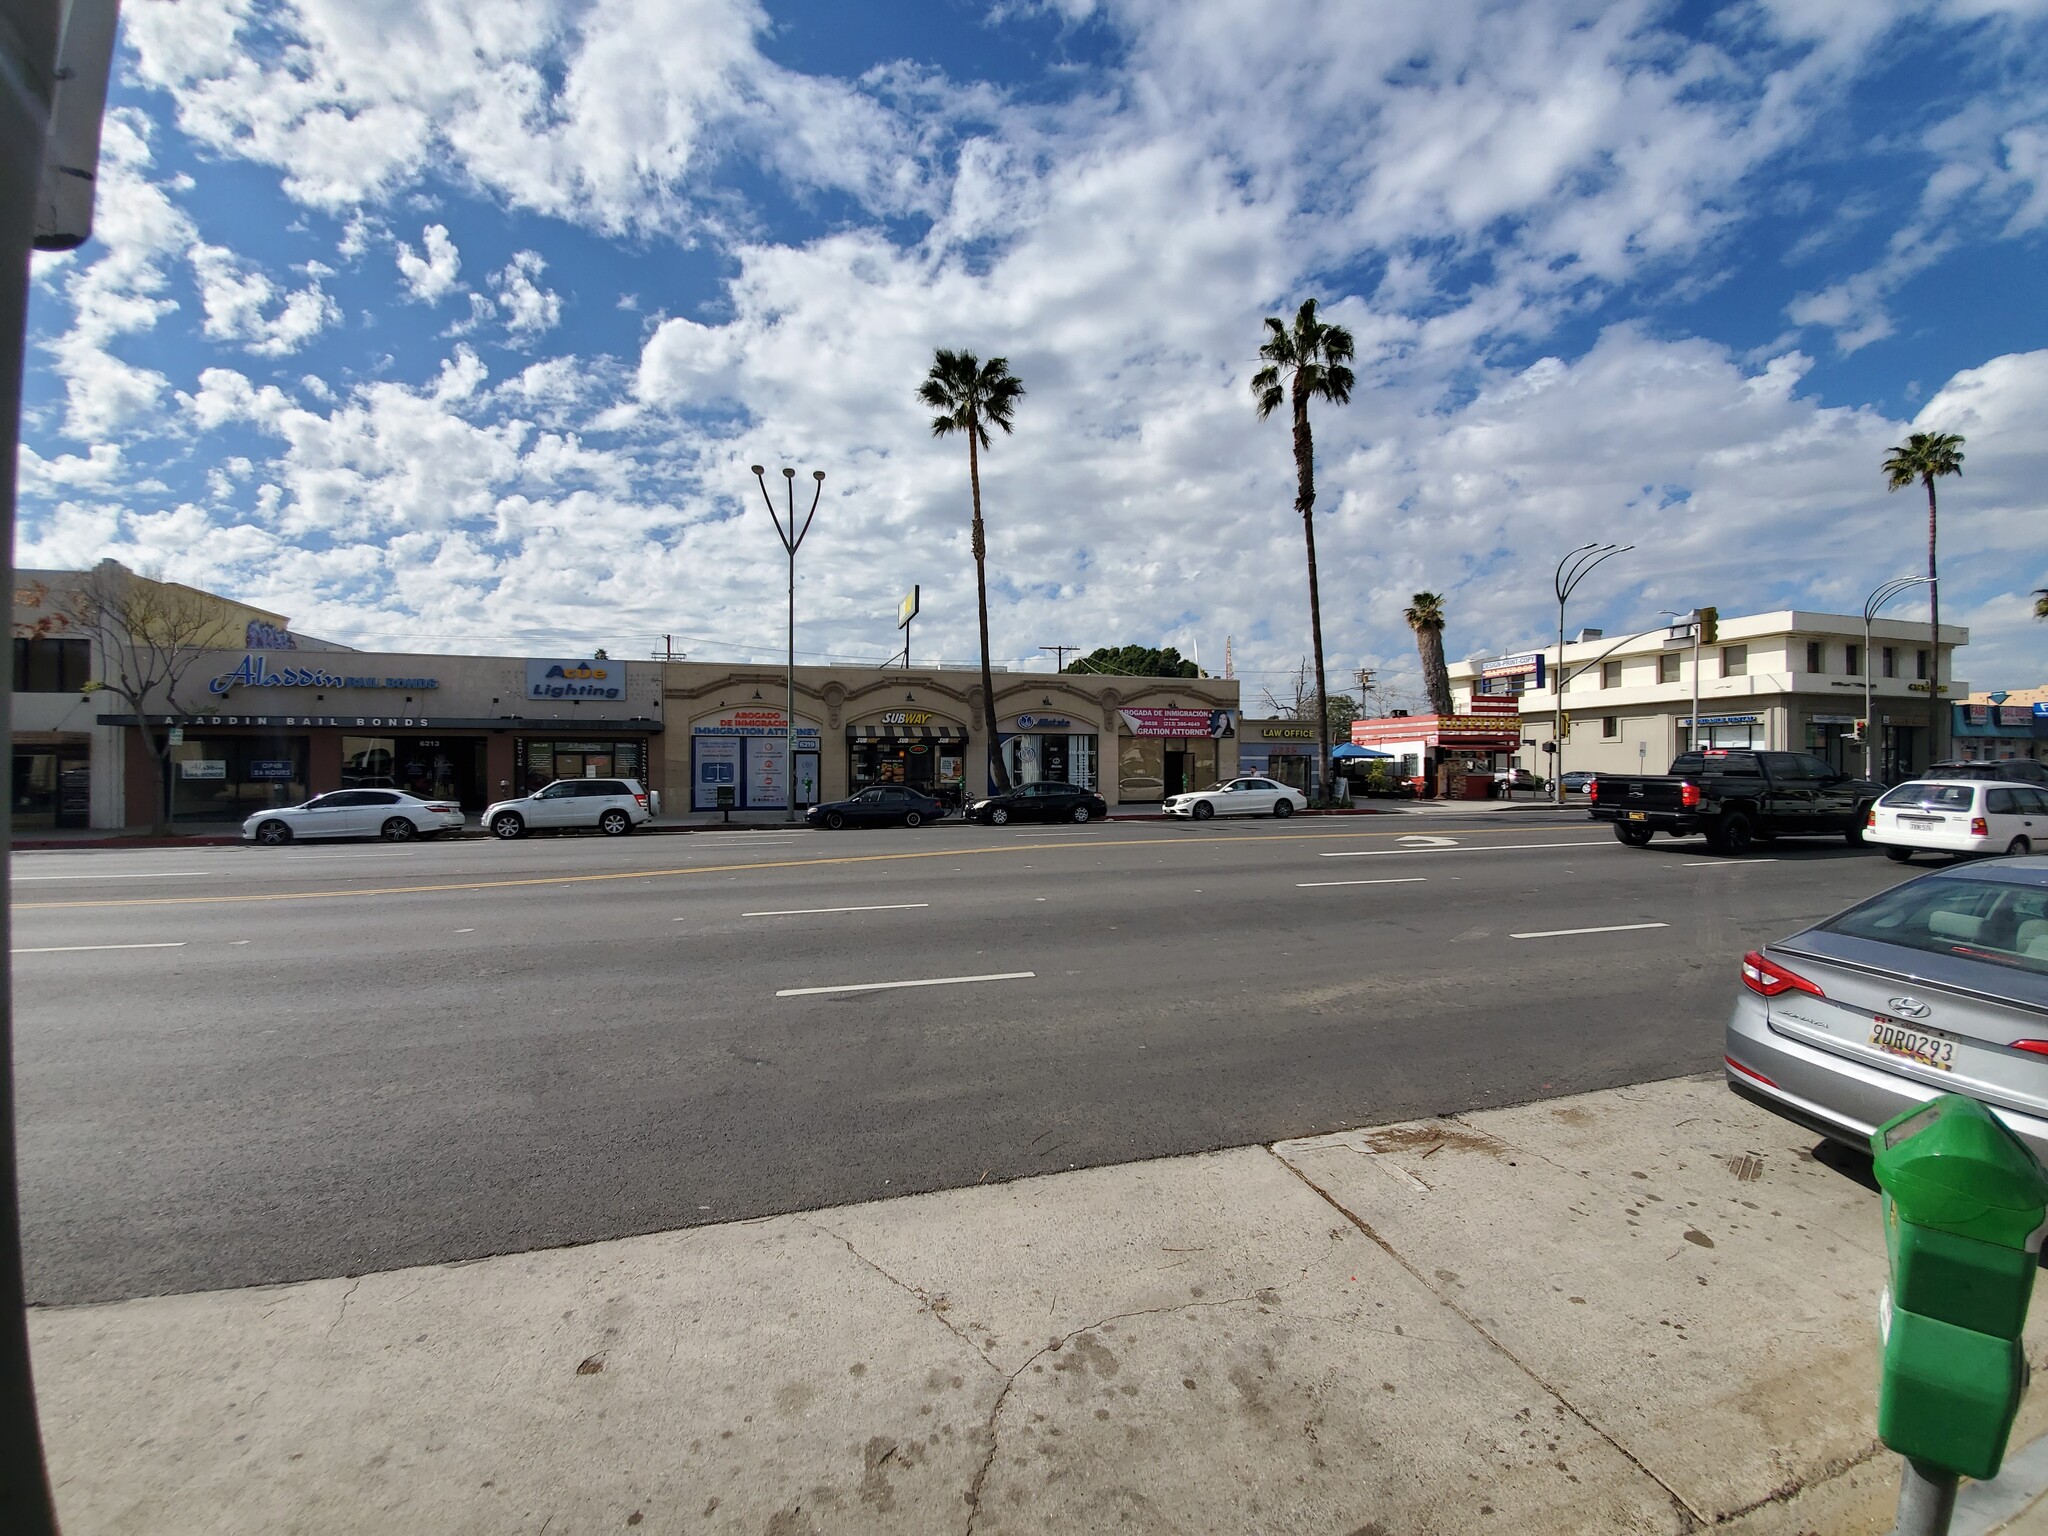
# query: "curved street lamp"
791,536
1871,605
1571,570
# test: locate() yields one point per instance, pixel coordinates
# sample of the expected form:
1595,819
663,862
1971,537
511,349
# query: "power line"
1059,660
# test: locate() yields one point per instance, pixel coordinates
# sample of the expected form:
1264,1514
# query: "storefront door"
52,787
1176,774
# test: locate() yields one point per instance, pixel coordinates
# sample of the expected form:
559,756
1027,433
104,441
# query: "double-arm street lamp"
792,537
1571,570
1871,605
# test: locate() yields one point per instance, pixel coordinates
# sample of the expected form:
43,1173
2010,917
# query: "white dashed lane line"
898,906
1566,933
1309,885
72,949
1387,853
890,986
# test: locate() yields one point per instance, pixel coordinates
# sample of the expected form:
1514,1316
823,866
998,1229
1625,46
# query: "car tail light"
1979,827
1870,821
1772,979
1593,789
444,810
1749,1071
640,800
2037,1047
1689,796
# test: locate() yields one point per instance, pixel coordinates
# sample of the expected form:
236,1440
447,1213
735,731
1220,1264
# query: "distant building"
1784,681
2014,724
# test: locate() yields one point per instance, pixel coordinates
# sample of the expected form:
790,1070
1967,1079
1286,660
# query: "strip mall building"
283,717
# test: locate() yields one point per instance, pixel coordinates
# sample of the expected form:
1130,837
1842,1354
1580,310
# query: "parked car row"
611,806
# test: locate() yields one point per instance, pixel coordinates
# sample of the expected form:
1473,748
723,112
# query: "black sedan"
1044,801
879,805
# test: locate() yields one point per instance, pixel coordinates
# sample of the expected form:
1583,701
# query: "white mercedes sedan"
1239,797
385,813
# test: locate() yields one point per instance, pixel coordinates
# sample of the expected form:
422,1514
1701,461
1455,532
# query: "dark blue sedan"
879,805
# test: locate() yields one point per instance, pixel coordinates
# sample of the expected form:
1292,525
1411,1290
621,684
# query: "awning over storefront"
906,733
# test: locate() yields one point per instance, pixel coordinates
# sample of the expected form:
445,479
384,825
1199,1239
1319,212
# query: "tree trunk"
1436,677
998,775
160,801
1934,710
1305,503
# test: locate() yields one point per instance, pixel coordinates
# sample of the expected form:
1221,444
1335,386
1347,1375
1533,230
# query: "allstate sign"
576,680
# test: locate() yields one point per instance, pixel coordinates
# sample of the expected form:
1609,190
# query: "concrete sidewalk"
1648,1310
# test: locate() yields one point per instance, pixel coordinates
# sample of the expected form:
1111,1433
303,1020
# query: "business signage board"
1529,665
596,679
203,768
907,609
1161,721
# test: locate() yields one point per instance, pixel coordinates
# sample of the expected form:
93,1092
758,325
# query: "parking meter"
1965,1207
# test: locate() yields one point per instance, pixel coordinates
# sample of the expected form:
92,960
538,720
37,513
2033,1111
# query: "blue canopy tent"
1348,753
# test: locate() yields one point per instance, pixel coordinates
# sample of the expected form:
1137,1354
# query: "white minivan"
1962,816
611,806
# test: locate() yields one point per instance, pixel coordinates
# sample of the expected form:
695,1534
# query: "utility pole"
1059,659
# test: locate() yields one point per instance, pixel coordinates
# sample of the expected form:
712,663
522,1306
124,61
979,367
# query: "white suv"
612,806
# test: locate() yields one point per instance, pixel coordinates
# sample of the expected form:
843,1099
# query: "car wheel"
1854,836
998,817
1203,810
1733,836
834,820
1082,813
614,823
273,834
1899,855
1635,837
1284,809
399,829
913,818
508,826
2018,847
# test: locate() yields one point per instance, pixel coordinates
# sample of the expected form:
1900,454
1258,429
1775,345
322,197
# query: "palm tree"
1306,361
2041,602
1926,456
968,395
1425,615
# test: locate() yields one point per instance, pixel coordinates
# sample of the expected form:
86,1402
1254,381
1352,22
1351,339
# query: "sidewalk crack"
933,1305
343,1312
1695,1519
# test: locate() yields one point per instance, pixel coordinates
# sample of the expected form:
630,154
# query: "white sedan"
1239,797
1962,816
385,813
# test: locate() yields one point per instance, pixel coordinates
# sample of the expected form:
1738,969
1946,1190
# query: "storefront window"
545,761
1154,767
225,778
1059,758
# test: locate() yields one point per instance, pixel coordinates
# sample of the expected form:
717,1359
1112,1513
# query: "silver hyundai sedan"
1940,985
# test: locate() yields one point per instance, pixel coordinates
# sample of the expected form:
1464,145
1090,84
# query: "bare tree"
147,634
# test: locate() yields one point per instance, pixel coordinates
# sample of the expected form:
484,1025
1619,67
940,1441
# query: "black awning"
906,733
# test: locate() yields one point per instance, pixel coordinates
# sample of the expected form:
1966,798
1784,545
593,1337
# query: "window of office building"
51,666
1610,674
1816,656
1888,661
1920,664
1854,658
1667,669
1734,661
1610,727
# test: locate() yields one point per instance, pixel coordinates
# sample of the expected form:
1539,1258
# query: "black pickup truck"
1737,799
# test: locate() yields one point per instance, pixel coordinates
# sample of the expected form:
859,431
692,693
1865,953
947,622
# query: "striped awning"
906,733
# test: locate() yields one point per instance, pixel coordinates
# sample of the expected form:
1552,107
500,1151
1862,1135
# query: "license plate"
1638,815
1930,1050
1919,821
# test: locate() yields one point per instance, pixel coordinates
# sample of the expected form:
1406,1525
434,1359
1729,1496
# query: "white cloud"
432,277
529,309
243,304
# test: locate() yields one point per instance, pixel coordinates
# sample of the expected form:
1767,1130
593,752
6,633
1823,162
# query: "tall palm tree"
968,396
1425,615
1925,457
1306,361
2041,602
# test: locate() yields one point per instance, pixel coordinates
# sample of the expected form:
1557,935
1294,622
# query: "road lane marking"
167,874
890,986
1724,863
1307,885
1379,853
1566,933
72,949
442,887
1430,842
895,906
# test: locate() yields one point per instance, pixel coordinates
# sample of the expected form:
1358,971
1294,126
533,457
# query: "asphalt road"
243,1065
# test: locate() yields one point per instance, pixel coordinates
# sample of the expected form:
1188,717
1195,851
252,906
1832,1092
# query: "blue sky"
455,326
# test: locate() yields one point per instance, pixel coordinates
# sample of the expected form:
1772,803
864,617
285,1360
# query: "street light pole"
1871,605
792,538
1571,570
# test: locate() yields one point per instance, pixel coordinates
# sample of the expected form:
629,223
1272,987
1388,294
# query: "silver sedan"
1940,985
385,813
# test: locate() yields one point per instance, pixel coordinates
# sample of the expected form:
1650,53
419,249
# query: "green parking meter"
1965,1208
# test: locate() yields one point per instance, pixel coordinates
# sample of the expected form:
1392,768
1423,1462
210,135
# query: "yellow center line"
1069,844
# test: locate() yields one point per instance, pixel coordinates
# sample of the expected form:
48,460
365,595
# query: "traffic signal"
1710,625
1862,730
1564,728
